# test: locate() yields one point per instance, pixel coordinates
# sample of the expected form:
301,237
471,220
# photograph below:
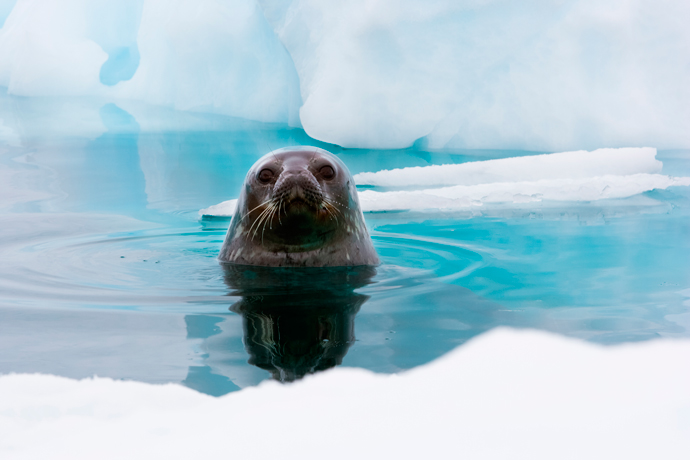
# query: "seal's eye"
265,176
327,172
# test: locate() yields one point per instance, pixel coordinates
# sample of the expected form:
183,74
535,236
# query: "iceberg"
45,49
5,9
534,75
216,57
543,76
504,394
209,56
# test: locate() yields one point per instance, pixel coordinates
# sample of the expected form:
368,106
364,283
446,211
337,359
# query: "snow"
537,75
568,176
506,394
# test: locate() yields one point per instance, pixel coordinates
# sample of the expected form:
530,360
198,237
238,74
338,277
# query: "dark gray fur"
299,218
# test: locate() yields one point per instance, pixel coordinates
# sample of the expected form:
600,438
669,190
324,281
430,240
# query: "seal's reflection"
297,321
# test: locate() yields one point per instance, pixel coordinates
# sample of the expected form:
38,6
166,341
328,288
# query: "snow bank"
531,75
568,176
506,394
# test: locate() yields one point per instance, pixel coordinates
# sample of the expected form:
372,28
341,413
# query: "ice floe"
224,209
565,165
567,177
462,196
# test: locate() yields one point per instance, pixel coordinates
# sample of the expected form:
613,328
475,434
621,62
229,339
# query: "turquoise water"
106,268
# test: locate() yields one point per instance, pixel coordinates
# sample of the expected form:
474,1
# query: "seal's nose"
298,184
296,192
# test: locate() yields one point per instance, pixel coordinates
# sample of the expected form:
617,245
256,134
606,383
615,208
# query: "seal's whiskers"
264,219
268,219
264,214
280,203
257,207
330,206
330,210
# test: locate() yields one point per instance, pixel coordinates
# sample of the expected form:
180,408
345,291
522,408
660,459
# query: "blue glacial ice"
5,9
206,56
538,75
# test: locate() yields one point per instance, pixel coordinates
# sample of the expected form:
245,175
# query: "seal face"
298,208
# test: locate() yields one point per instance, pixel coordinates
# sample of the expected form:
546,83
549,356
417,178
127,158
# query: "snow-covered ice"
462,196
533,75
565,165
506,394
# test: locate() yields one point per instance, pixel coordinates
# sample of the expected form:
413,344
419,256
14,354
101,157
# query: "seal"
298,207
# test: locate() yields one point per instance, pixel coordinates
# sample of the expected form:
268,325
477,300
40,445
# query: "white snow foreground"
506,394
532,75
567,176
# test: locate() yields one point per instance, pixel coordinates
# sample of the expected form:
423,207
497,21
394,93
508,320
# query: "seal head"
298,207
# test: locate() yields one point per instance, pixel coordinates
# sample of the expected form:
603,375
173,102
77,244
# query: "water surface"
106,268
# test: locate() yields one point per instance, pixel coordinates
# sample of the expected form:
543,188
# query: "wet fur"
299,219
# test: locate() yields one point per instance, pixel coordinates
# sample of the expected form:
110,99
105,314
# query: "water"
106,269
